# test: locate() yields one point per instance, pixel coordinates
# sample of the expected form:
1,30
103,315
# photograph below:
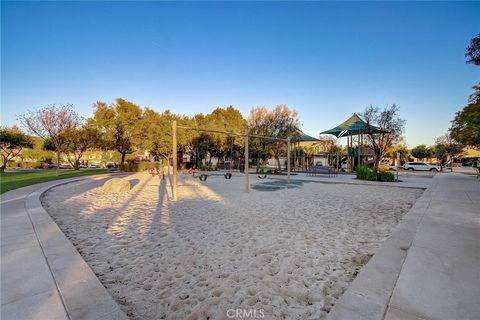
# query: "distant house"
468,156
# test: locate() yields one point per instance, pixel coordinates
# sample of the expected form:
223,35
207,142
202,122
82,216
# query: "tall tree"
421,152
279,123
258,124
473,51
227,119
446,149
156,131
119,125
473,57
400,148
77,141
49,123
37,153
327,143
466,126
12,142
391,128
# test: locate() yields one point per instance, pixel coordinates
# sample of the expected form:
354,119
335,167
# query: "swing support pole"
288,159
247,135
174,160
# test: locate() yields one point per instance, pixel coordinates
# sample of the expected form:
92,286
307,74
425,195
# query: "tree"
473,51
77,141
466,126
37,153
227,119
49,123
447,148
391,128
400,148
279,123
421,152
119,125
12,142
473,57
156,131
328,144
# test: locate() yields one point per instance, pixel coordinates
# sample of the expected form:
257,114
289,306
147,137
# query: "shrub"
25,165
387,176
372,175
366,173
363,172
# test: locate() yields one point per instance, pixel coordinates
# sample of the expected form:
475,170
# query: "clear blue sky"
326,60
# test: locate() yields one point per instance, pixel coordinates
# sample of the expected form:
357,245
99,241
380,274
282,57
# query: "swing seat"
203,177
153,171
228,175
262,177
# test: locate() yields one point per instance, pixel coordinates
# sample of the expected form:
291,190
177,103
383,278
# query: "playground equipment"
246,135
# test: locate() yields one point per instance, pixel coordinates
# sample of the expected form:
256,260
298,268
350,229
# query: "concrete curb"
369,294
82,294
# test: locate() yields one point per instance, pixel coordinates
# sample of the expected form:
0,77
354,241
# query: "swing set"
227,175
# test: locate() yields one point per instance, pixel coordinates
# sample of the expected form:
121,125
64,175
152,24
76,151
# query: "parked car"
92,165
82,166
420,166
110,165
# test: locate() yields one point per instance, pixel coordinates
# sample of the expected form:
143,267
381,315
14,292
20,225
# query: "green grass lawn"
14,180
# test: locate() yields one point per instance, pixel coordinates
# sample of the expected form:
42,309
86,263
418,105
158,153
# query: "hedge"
25,165
366,173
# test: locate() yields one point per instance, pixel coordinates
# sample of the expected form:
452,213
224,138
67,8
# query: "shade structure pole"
288,160
353,155
295,156
358,150
245,170
348,153
174,151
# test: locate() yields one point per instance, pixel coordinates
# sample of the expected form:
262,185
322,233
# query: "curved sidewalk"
429,268
42,274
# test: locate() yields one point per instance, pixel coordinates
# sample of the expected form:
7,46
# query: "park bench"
314,170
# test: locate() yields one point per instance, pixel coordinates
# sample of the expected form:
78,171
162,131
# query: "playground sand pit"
284,253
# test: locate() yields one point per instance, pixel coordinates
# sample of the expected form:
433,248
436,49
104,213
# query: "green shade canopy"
352,126
301,136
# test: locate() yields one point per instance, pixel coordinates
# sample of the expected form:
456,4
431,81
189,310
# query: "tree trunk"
122,161
2,168
279,166
76,166
377,161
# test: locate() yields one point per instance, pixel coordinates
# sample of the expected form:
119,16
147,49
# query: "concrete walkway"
429,268
42,274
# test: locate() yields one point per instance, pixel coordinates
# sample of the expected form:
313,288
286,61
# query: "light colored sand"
291,253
